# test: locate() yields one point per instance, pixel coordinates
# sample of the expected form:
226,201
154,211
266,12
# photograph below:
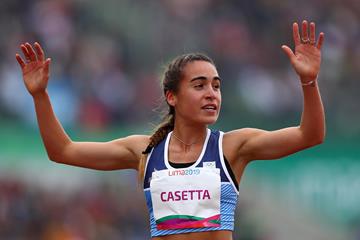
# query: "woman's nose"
210,93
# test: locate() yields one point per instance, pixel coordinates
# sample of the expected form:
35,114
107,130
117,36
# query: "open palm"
306,59
35,69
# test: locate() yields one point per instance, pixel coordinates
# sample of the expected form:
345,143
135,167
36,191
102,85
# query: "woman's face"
198,99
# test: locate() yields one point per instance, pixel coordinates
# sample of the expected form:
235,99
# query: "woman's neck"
188,135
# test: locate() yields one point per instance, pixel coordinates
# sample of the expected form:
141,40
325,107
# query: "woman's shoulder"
135,143
246,131
241,132
236,138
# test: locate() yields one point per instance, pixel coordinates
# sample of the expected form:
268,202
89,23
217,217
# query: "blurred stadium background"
107,58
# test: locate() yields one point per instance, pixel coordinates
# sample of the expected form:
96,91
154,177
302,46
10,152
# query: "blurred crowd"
108,56
107,60
96,211
30,212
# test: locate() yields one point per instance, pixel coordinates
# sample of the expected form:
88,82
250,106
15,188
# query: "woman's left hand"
307,57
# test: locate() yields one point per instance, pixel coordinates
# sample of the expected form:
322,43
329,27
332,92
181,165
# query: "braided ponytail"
171,82
160,133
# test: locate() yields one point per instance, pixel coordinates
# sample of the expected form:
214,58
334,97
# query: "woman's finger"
20,60
47,65
312,33
25,52
46,69
304,32
30,51
320,40
296,34
39,52
289,53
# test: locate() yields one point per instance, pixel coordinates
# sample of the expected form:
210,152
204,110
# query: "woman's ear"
170,98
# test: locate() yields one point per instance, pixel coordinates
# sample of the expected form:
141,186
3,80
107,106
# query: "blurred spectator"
106,57
29,211
101,51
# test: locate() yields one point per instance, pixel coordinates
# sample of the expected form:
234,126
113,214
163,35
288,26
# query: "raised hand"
35,69
307,56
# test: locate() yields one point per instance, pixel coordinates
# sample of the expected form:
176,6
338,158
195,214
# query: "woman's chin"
209,121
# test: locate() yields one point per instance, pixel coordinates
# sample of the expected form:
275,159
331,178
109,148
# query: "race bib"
186,198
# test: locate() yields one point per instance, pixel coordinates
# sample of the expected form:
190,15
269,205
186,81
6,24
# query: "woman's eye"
216,86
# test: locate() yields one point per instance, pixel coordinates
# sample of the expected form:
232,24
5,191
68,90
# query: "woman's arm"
118,154
250,144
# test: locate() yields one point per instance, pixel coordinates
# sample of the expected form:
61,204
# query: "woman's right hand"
35,69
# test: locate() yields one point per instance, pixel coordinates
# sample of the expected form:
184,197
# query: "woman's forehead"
199,68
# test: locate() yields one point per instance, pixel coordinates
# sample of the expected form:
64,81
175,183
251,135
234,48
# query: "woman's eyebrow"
217,78
203,78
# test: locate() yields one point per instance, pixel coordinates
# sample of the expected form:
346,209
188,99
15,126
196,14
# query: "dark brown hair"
170,82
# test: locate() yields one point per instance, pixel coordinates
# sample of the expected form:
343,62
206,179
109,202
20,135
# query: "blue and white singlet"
198,198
